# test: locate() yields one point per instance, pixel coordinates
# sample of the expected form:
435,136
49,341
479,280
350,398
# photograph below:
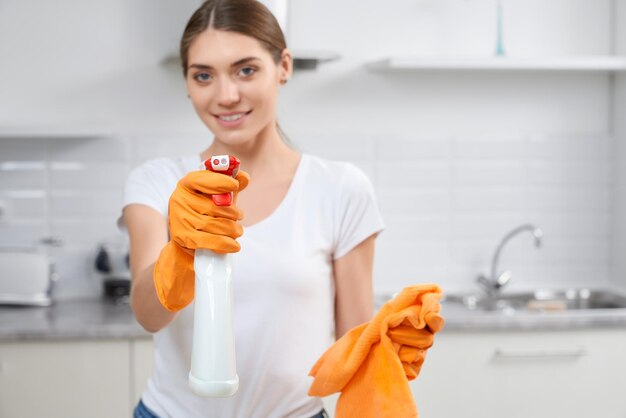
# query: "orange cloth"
372,364
196,222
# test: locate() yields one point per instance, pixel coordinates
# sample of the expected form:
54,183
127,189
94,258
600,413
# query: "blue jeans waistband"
141,411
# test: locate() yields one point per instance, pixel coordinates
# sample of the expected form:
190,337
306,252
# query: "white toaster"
26,278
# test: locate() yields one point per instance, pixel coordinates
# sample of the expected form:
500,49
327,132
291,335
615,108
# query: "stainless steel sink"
541,300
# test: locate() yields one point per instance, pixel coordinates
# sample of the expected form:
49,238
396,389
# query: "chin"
234,138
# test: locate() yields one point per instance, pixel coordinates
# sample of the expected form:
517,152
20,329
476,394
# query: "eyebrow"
234,64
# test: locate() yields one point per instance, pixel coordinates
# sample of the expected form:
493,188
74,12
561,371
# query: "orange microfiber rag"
372,364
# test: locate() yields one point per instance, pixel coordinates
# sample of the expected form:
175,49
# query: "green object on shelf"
499,42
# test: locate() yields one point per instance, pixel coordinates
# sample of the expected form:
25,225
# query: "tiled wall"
447,200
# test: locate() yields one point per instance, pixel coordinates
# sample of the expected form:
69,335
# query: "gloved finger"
220,226
408,354
218,243
412,359
408,335
243,178
193,222
207,182
229,212
203,205
434,321
411,370
226,245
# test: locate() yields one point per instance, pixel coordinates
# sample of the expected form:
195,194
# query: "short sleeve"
147,185
357,213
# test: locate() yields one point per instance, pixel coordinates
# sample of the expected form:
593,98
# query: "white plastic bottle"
213,365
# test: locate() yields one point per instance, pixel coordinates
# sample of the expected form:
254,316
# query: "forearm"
354,295
145,303
347,318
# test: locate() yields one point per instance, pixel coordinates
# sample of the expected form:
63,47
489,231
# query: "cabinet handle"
501,353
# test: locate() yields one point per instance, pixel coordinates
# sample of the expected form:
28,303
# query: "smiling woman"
215,63
303,266
233,82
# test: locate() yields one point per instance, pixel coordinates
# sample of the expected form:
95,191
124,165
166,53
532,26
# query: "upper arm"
354,298
147,230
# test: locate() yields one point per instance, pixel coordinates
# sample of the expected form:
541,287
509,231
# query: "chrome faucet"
497,280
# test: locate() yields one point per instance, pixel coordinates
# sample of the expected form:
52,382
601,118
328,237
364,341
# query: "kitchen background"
458,157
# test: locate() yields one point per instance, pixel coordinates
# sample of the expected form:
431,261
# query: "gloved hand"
372,363
196,222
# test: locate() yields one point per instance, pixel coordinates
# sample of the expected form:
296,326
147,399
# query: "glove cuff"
174,277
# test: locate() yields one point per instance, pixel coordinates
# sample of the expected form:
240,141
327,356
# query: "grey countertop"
72,319
461,319
98,319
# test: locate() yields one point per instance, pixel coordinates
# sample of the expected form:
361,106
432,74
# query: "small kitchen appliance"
113,267
26,277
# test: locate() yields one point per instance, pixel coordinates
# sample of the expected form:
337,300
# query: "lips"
231,119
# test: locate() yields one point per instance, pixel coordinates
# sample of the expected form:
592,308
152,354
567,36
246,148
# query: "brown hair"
247,17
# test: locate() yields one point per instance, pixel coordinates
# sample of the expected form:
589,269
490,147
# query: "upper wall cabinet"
302,59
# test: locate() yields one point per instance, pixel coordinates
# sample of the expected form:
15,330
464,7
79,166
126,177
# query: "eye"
202,77
247,71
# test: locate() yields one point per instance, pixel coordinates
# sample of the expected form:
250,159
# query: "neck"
265,155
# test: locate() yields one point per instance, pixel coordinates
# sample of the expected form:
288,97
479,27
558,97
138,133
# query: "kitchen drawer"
524,374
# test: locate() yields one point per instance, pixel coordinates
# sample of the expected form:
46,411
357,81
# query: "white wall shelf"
539,64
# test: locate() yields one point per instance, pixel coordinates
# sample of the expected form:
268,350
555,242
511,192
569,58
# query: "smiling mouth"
233,117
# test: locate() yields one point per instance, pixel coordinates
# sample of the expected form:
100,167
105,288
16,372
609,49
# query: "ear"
286,66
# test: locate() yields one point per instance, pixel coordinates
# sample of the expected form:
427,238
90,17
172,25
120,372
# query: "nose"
228,92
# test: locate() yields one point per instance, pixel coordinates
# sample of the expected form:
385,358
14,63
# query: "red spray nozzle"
224,164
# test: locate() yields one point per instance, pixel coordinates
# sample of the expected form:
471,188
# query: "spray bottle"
213,369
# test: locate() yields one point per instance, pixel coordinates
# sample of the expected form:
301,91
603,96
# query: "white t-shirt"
283,291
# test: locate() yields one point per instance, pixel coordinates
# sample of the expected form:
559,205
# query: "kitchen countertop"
462,319
99,319
71,319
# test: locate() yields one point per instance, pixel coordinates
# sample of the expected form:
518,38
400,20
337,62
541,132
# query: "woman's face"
233,84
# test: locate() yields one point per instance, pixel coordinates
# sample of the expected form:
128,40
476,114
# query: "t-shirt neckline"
285,200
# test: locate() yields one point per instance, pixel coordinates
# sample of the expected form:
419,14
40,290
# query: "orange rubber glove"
196,222
373,362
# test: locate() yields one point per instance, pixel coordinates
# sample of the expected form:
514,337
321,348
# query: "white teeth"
232,117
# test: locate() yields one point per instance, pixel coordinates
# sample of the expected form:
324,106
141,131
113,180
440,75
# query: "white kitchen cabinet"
64,379
576,373
545,374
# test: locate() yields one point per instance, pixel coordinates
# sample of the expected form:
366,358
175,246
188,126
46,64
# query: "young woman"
302,269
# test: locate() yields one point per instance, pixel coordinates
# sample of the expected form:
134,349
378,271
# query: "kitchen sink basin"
541,300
